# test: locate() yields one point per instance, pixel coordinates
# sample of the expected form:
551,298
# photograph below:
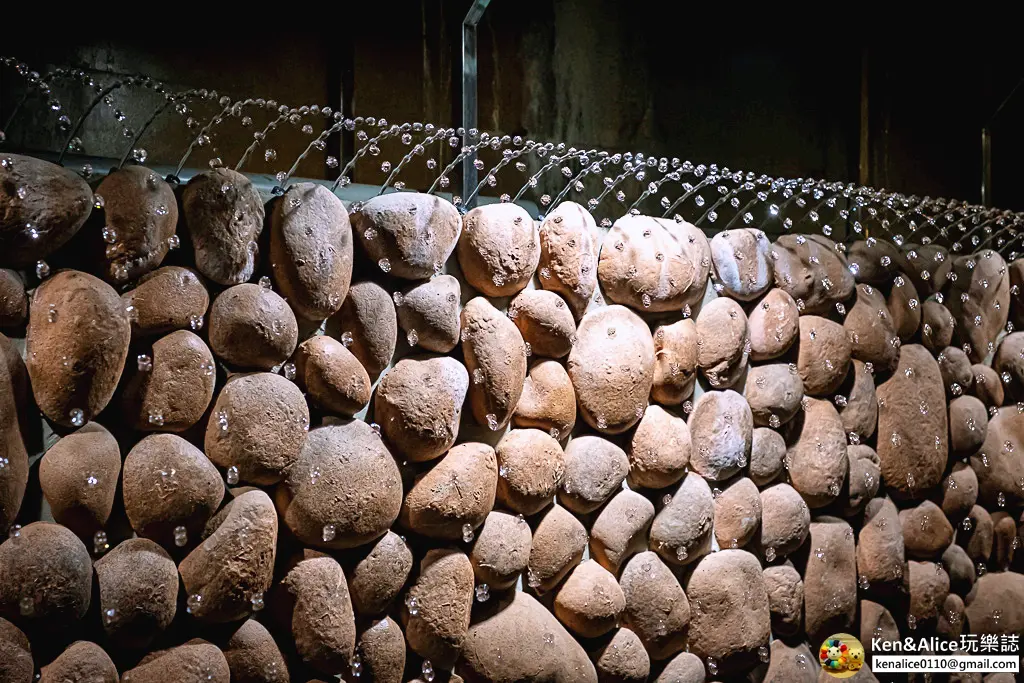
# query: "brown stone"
905,308
955,367
252,327
322,621
722,342
559,540
224,214
180,664
785,598
774,393
977,534
344,490
929,266
16,665
169,388
785,520
621,529
730,614
830,579
773,325
331,375
685,667
681,532
368,326
428,312
657,609
545,322
531,465
1004,533
257,426
456,493
499,248
381,647
936,325
78,476
994,604
82,661
863,479
876,622
495,356
548,401
741,262
982,314
167,299
926,531
959,568
824,355
253,656
737,514
13,299
138,591
378,577
817,458
987,386
501,550
75,361
56,204
590,601
880,546
612,368
660,449
767,455
57,590
632,274
721,429
912,428
812,271
311,249
623,659
999,465
569,242
875,261
968,424
169,483
141,215
594,471
675,362
443,594
418,405
860,413
870,330
408,234
951,618
792,664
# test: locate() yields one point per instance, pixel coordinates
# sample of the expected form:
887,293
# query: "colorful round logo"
841,655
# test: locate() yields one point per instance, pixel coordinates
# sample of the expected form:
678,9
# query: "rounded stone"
79,476
956,371
686,667
968,424
785,519
977,537
443,593
382,651
545,321
344,490
817,458
321,619
428,312
657,609
56,204
75,361
675,362
722,342
623,659
880,545
721,429
501,550
559,540
979,299
774,393
16,665
167,299
171,390
875,261
13,299
419,404
741,263
926,531
824,355
82,661
169,483
612,368
594,470
905,307
138,591
368,326
767,455
929,586
531,465
662,265
737,514
590,600
994,604
621,529
660,449
960,568
936,325
773,325
224,214
987,385
141,215
311,249
258,426
495,353
252,327
569,241
57,591
332,376
548,401
1004,536
811,270
860,414
870,330
681,531
959,491
499,248
180,663
455,493
253,656
380,575
863,480
413,233
830,580
785,598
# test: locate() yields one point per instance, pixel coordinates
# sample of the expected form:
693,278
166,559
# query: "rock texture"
495,355
568,254
409,235
499,248
224,214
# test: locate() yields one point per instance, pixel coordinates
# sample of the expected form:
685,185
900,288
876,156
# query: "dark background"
905,113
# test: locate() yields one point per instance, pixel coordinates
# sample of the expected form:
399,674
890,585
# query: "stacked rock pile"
295,440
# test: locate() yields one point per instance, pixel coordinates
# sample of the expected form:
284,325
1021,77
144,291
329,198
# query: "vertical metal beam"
986,166
469,99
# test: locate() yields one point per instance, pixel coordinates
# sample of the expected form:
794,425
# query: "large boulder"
224,214
569,242
499,248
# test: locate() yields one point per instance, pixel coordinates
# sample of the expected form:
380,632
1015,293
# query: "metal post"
986,167
469,102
